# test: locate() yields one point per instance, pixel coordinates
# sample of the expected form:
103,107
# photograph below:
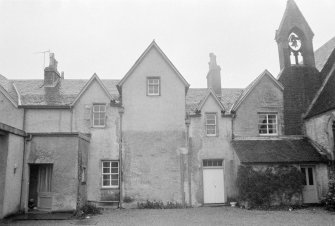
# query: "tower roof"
292,18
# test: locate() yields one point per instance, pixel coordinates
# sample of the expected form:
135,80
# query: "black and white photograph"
167,112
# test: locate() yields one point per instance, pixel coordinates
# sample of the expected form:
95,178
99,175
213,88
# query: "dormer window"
295,44
153,86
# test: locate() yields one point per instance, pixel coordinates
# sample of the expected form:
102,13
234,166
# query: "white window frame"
212,163
267,124
110,173
211,124
94,112
153,82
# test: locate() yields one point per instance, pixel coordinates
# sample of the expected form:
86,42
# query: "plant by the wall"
159,205
259,187
329,202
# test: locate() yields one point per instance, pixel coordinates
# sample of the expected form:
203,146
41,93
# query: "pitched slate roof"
196,95
34,93
8,86
325,98
322,54
276,151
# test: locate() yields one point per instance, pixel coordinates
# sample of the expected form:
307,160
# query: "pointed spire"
292,18
294,24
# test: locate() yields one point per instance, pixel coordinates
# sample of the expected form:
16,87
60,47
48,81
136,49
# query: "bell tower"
298,75
294,38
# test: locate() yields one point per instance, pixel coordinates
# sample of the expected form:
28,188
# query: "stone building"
149,136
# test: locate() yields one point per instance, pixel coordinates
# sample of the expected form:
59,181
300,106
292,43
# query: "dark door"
40,191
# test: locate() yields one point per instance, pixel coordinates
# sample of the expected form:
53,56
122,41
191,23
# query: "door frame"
313,166
43,193
213,167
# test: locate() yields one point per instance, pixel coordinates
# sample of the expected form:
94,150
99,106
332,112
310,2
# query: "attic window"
153,86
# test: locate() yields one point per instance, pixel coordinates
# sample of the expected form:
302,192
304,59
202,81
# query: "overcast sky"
107,37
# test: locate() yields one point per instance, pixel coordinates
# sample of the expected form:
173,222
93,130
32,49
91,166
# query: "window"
211,124
153,86
83,175
212,162
308,175
99,115
267,124
110,174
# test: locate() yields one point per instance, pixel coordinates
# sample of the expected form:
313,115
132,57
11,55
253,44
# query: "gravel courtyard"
200,216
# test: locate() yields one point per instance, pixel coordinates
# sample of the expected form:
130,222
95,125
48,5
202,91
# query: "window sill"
109,188
98,127
268,135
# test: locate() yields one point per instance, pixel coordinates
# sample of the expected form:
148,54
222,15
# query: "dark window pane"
262,119
115,170
115,164
303,170
106,170
106,183
115,177
106,164
310,176
96,108
103,108
115,182
205,163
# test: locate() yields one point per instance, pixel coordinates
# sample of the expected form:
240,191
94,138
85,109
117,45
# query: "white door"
309,193
213,184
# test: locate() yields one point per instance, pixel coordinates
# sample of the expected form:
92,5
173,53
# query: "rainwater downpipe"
188,122
121,112
25,139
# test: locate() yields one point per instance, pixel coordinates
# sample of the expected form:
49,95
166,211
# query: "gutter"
45,106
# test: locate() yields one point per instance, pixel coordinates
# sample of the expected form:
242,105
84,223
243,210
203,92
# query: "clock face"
294,41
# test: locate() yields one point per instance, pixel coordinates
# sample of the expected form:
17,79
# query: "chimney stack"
214,75
51,74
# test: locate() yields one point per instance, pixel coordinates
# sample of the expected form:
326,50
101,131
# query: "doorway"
213,181
309,193
40,192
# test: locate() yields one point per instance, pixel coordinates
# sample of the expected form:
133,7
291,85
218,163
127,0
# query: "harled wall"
207,147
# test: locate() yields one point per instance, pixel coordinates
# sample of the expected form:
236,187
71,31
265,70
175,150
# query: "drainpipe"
121,112
22,205
188,122
182,175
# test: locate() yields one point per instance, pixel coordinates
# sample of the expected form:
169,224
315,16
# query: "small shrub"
159,205
87,209
128,199
260,188
329,201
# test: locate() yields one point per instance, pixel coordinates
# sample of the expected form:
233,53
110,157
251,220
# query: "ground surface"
199,216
